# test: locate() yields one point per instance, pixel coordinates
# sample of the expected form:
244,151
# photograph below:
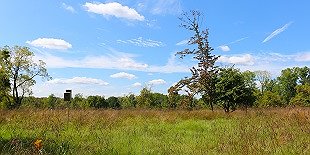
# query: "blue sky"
113,48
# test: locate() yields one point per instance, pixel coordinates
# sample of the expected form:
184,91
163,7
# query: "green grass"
275,131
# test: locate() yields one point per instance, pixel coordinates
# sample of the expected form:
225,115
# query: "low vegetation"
258,131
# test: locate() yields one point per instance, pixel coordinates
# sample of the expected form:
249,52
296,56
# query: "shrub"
303,96
97,102
113,102
270,99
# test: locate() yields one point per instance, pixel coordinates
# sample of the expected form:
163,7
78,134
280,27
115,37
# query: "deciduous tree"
204,75
22,70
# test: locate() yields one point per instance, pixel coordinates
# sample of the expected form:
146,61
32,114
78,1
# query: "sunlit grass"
259,131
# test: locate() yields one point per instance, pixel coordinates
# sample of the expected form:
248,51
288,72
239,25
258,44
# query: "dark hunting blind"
68,95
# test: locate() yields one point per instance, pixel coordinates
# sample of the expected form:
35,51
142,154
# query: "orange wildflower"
38,144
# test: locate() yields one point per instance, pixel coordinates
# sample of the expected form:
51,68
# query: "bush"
113,102
270,99
79,101
97,102
303,96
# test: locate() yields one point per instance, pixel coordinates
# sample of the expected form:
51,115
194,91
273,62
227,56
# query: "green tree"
97,102
303,96
248,96
22,70
287,82
4,77
270,99
113,102
128,101
79,101
234,89
145,98
303,75
51,101
263,77
203,77
159,100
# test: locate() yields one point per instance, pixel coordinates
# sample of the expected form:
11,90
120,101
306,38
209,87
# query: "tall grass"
259,131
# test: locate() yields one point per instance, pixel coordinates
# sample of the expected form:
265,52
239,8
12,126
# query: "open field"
259,131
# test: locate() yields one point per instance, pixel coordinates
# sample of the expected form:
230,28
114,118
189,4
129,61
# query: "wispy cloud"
182,43
226,48
238,40
166,7
78,80
120,61
277,32
303,57
68,7
123,75
142,42
114,9
50,43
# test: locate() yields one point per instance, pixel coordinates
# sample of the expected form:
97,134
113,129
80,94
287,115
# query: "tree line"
208,86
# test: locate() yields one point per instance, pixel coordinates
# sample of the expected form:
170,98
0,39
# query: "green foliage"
113,102
303,96
145,98
203,77
270,99
128,101
287,83
264,78
34,102
277,131
159,100
234,89
51,101
97,102
79,101
21,70
5,84
303,75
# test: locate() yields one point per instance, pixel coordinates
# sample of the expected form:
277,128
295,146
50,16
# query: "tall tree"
234,89
4,77
203,77
22,70
287,83
303,75
263,77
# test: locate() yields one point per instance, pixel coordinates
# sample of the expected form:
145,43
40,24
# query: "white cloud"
246,59
78,80
114,9
157,82
224,48
68,7
142,42
303,57
277,32
123,75
50,43
137,84
182,43
120,61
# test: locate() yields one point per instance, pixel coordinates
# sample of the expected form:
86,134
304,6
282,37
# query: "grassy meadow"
140,131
